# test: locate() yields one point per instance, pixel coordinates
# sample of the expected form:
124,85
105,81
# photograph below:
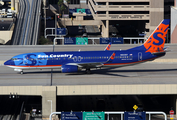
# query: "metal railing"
132,40
121,113
62,38
52,30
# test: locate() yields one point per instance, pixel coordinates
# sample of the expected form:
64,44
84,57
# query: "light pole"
51,104
56,14
44,13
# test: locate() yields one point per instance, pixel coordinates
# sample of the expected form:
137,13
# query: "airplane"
76,61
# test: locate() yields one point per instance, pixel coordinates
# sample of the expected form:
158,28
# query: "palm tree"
68,1
60,2
61,6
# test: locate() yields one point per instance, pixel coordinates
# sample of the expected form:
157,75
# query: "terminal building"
174,23
116,18
133,17
122,18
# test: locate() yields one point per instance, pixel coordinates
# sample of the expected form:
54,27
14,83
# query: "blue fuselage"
82,58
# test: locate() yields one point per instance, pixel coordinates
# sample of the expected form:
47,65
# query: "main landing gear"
88,71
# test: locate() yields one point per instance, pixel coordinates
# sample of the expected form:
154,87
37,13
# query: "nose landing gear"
21,72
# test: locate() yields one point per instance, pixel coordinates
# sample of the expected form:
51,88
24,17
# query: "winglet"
111,57
108,47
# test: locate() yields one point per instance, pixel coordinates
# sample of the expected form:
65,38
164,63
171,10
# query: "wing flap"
87,64
94,64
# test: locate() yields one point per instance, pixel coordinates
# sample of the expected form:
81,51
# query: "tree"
43,41
61,6
60,2
68,2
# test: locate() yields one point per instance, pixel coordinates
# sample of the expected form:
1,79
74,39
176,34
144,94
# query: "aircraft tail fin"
156,41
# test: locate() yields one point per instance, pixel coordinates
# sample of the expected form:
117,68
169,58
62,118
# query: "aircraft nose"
9,62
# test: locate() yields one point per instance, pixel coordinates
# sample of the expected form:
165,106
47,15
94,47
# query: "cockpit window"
13,59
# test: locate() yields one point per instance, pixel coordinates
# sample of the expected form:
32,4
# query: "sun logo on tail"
156,41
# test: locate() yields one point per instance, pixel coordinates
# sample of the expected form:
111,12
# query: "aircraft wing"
87,64
93,64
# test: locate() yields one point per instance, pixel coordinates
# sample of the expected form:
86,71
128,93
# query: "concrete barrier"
5,36
2,41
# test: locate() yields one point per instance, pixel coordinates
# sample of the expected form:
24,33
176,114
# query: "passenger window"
131,56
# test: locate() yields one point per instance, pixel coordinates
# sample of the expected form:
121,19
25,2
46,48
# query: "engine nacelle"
69,68
18,70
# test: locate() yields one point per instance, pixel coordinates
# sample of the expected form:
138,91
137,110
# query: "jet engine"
69,68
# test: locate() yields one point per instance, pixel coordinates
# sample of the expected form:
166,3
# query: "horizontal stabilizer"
159,53
166,49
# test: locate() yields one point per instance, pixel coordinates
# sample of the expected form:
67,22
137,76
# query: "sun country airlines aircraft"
74,61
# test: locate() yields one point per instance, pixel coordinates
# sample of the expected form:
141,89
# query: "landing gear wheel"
21,72
88,71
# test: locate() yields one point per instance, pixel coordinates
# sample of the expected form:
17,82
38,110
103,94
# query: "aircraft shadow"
41,72
108,71
114,72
